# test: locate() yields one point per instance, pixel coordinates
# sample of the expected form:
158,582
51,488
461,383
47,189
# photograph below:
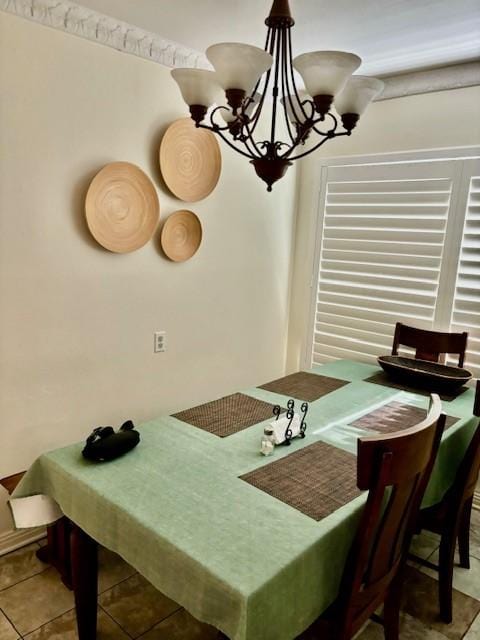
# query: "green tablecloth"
232,555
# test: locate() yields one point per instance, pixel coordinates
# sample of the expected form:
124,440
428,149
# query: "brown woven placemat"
395,416
228,415
304,386
317,480
384,380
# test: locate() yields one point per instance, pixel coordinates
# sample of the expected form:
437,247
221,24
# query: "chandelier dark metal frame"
302,116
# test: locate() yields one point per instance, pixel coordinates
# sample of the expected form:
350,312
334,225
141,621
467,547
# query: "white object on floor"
34,511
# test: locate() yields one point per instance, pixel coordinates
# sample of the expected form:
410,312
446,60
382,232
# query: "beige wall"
429,121
77,322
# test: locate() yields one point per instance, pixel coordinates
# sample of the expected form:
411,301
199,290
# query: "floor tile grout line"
14,584
478,614
477,617
115,621
470,626
25,579
47,622
72,609
100,593
13,626
433,552
159,622
49,566
455,566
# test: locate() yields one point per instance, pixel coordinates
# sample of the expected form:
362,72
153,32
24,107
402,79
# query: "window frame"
453,232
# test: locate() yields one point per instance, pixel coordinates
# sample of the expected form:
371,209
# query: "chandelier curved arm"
218,131
216,128
334,135
335,124
303,134
249,141
213,124
303,103
244,135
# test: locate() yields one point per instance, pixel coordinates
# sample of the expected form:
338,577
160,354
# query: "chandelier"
245,75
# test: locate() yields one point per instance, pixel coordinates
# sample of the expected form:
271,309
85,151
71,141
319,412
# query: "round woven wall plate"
122,207
181,235
190,160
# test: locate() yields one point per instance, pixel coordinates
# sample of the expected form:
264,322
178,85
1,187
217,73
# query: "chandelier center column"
280,15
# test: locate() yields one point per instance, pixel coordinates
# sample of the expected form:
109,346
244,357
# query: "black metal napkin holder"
290,415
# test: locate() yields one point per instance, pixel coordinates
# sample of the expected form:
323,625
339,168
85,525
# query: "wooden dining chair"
395,469
451,519
429,345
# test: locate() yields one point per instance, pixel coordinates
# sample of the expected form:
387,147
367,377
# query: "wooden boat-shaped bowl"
425,374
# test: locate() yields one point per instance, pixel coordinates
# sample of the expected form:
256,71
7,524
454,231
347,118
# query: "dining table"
254,545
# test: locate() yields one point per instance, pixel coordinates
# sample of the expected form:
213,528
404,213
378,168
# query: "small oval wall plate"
181,235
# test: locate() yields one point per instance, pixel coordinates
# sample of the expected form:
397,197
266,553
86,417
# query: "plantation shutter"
466,303
381,243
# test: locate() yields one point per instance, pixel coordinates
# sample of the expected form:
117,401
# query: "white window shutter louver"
466,304
380,257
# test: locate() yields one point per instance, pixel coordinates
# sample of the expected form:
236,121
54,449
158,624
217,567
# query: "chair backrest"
395,470
429,345
467,474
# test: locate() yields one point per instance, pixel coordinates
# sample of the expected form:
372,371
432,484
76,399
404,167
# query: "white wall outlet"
159,341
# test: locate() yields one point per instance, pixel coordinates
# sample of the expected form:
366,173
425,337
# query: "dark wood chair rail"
10,482
450,518
429,345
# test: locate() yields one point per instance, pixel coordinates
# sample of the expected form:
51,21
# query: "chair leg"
445,579
391,610
464,535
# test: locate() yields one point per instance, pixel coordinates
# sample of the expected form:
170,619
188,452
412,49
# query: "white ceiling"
390,35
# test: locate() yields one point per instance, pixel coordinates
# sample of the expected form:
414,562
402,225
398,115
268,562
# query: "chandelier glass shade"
246,78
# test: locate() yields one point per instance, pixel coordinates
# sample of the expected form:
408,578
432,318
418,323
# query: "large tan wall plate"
190,160
181,235
122,207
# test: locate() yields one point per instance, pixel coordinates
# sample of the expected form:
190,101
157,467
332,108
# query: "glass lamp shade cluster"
244,78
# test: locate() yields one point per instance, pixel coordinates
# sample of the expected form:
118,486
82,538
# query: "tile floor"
35,605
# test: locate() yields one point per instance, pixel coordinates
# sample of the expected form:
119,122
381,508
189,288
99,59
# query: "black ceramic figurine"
103,444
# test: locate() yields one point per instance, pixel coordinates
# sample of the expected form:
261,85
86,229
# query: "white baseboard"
12,540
